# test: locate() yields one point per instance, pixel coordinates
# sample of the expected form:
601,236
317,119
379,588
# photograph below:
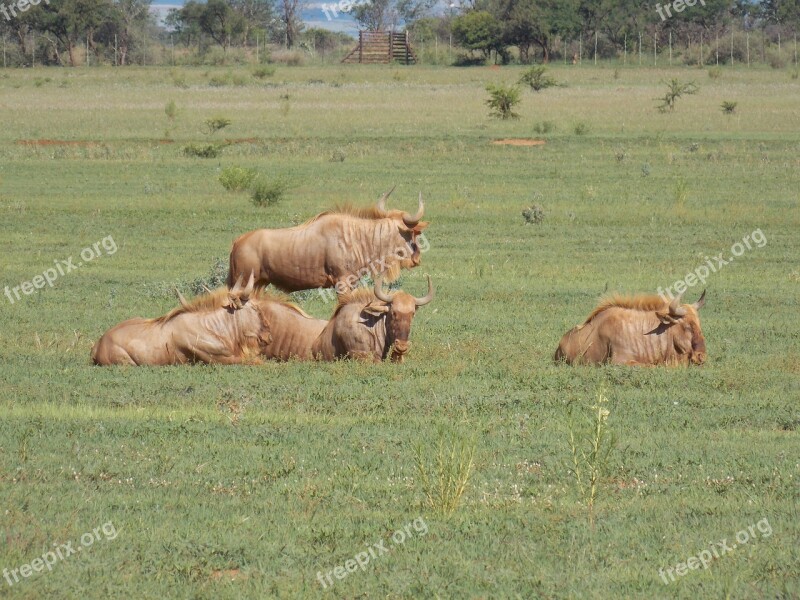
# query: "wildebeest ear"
376,309
666,319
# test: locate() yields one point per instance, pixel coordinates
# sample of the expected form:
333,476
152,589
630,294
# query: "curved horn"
248,290
675,308
701,302
427,297
382,200
412,221
181,299
379,293
237,287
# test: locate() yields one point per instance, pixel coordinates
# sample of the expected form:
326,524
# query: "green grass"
279,471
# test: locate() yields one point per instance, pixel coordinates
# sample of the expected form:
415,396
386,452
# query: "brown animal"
222,327
369,324
642,330
334,249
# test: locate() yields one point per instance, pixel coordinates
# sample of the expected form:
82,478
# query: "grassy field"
246,482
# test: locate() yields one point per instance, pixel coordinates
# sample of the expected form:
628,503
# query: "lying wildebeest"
227,326
642,330
368,324
334,249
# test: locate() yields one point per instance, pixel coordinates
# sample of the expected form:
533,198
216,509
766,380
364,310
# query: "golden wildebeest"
334,249
642,330
368,324
223,327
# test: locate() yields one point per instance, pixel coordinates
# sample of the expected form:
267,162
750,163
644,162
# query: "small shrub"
544,127
581,128
591,447
237,179
171,110
263,72
728,107
178,79
714,72
202,151
267,193
216,277
445,476
338,155
645,170
536,78
533,215
620,154
795,74
502,100
239,80
676,89
681,193
220,80
216,124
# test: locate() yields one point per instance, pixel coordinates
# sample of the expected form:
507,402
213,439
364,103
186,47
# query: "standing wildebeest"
643,330
368,324
334,249
224,327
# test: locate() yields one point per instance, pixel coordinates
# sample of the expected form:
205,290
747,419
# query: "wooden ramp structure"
382,47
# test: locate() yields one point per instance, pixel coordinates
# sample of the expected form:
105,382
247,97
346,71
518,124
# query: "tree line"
121,32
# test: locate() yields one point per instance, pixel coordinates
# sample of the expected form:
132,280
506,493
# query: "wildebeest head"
409,227
399,308
684,321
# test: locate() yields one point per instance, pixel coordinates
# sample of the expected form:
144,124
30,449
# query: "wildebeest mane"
361,295
218,297
641,302
372,213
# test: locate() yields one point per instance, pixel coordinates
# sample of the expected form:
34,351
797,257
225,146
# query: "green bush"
237,179
537,80
544,127
502,100
676,89
581,128
202,151
216,123
267,193
263,72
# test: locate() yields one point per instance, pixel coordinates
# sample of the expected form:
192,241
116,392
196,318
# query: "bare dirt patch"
517,142
228,575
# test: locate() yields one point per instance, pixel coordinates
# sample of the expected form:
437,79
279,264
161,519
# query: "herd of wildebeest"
243,323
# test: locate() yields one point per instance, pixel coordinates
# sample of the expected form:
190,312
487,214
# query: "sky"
313,16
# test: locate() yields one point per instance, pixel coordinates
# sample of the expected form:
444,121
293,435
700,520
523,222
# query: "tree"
536,22
478,30
290,17
256,16
70,22
221,22
128,22
375,15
